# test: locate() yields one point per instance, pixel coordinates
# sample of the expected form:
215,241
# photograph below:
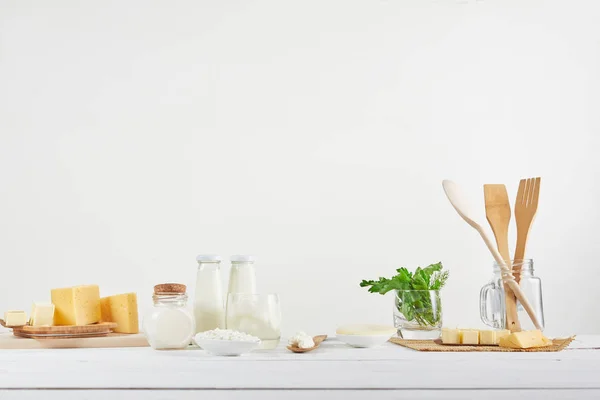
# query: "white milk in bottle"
242,277
209,310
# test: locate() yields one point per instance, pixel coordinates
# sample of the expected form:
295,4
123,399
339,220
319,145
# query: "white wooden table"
334,371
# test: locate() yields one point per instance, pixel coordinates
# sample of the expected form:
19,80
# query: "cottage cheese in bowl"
226,342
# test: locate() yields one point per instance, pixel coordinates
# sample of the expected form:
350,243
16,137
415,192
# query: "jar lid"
169,288
208,258
242,258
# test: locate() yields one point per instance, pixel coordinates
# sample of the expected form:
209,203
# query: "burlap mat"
430,345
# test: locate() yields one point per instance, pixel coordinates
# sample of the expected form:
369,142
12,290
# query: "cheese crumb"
227,334
302,340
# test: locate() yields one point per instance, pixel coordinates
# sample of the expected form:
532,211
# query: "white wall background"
315,134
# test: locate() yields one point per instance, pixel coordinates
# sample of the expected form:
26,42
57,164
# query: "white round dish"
364,340
226,347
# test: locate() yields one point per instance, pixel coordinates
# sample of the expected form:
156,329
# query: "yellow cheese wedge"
15,318
505,342
42,314
366,330
525,340
123,310
79,305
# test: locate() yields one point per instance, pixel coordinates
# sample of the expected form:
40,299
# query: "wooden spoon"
317,339
458,201
497,212
525,209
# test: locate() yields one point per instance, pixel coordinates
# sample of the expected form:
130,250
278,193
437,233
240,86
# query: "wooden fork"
525,209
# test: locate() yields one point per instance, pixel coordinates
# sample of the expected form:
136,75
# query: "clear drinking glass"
257,315
491,298
418,314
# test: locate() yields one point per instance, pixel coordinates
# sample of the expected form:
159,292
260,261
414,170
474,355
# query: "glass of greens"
417,301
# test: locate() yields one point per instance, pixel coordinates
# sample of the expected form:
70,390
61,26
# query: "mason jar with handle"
491,298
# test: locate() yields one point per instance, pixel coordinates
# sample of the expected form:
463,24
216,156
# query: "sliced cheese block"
525,340
42,314
366,330
79,305
15,318
123,310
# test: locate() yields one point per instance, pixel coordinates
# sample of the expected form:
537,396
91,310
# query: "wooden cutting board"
50,332
9,341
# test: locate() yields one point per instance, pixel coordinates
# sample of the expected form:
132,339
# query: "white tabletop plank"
333,366
518,394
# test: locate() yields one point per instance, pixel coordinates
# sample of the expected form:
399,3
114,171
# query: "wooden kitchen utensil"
463,209
317,339
497,212
525,209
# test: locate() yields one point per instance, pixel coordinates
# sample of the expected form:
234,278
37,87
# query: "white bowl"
227,347
364,340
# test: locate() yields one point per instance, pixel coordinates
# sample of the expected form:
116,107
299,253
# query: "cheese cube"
123,310
525,340
450,336
469,336
42,314
500,334
15,318
487,337
79,305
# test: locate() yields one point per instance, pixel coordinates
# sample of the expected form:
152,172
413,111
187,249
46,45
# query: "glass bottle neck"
170,300
242,264
209,266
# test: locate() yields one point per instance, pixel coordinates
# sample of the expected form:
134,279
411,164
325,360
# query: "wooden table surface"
334,371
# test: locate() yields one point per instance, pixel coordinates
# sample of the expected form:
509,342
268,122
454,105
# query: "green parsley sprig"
414,305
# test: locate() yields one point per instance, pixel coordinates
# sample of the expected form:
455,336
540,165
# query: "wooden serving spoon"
460,204
317,339
497,212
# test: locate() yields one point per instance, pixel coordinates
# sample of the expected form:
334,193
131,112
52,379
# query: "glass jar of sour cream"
170,325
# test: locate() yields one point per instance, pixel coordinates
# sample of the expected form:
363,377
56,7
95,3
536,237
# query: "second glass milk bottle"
242,277
209,308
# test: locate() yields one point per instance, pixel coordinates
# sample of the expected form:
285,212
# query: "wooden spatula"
525,209
497,211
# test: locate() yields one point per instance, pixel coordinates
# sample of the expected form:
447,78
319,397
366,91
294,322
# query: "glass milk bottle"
209,310
170,325
242,277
